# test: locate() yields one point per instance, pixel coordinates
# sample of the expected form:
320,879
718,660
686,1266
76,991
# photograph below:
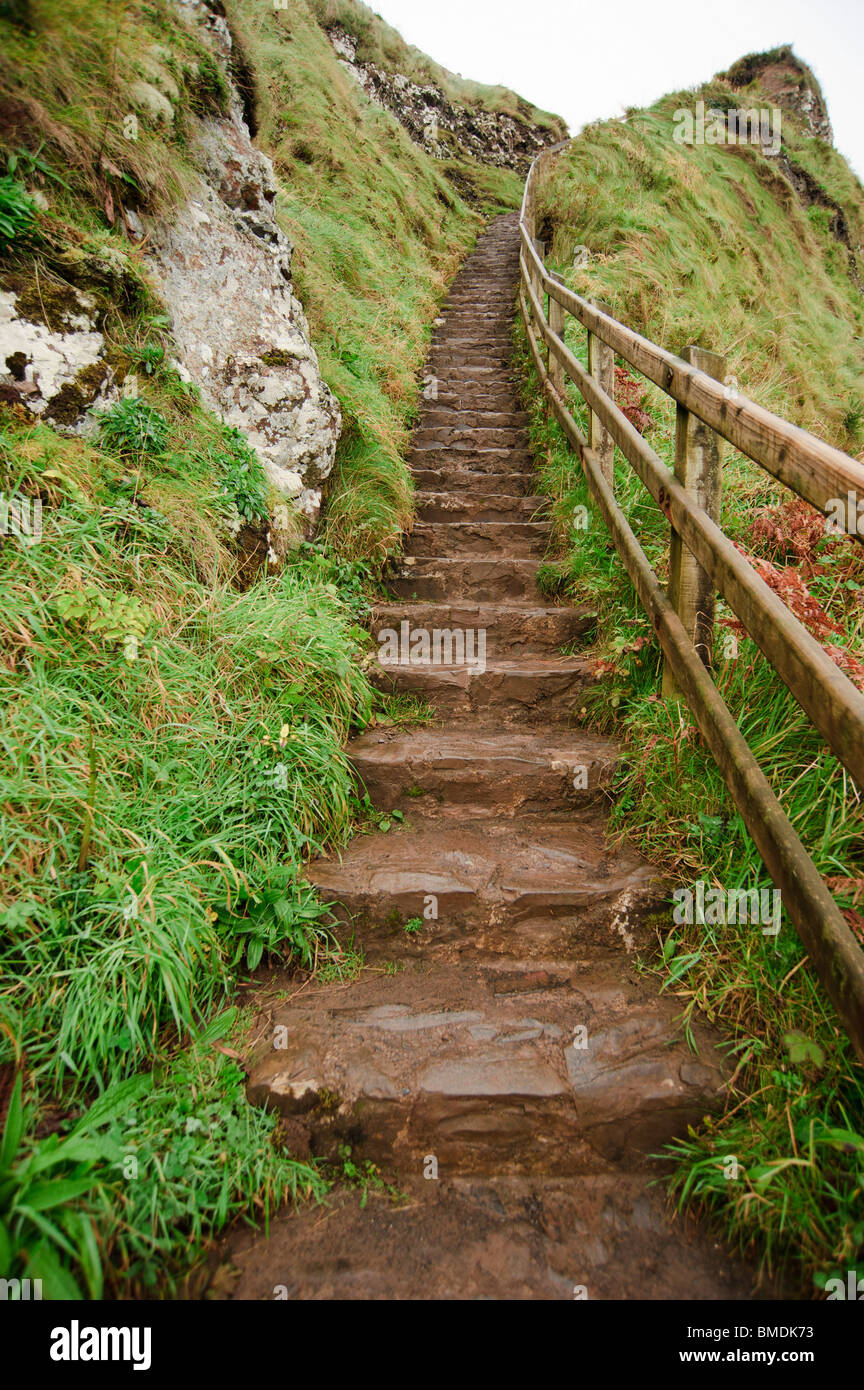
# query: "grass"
378,229
172,752
706,244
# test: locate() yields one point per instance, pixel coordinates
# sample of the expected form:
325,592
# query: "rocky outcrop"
223,269
491,137
789,83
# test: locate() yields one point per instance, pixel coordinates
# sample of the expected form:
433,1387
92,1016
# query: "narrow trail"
509,1038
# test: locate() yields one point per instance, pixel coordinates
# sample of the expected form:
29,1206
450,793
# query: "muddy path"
499,1059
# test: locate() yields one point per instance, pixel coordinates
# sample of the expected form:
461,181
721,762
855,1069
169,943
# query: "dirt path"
504,1040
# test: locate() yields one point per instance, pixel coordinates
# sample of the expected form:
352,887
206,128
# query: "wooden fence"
704,561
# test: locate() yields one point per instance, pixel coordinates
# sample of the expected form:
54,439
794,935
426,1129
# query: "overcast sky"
586,59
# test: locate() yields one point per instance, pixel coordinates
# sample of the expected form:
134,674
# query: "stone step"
499,1029
457,336
484,581
467,297
455,343
504,539
447,1062
511,630
467,482
491,772
464,396
485,375
468,458
474,325
476,439
530,689
446,417
504,886
503,1240
446,361
450,506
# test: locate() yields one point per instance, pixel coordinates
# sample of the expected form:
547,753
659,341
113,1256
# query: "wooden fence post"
540,248
698,466
557,322
601,365
537,286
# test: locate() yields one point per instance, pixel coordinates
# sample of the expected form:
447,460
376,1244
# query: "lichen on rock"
57,368
490,137
222,267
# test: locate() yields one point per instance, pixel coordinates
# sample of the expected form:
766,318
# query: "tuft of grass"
97,1209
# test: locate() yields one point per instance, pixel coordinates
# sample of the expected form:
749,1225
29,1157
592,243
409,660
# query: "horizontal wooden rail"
834,704
815,470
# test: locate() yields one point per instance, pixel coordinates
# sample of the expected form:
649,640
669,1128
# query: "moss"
206,87
44,300
72,400
16,362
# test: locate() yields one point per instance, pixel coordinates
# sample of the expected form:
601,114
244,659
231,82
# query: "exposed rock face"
491,137
222,267
55,371
223,270
789,83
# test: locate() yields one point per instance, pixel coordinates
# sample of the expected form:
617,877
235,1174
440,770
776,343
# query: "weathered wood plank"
601,365
698,468
810,467
833,703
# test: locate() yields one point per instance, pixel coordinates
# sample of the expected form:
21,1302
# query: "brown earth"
500,1059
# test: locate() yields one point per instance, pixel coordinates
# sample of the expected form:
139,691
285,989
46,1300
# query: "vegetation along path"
499,1059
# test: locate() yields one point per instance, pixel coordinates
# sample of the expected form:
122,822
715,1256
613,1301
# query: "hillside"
757,256
235,237
752,249
219,265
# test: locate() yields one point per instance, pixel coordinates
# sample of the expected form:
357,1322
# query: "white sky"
587,59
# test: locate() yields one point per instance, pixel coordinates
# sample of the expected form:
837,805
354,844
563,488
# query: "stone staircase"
500,1034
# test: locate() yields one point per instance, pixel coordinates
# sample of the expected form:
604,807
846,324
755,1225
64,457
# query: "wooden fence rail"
704,560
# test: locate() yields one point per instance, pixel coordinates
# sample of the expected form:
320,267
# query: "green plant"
176,1153
118,618
344,963
283,917
242,485
133,427
17,212
366,1176
47,1228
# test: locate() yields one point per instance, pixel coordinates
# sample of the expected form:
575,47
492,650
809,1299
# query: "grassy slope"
707,244
379,229
173,738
